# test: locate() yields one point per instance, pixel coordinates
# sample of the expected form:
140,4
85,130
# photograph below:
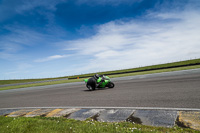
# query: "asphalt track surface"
167,90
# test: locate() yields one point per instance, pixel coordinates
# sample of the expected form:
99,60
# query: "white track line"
134,108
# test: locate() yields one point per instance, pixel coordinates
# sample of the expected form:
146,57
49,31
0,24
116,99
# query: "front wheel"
90,87
111,85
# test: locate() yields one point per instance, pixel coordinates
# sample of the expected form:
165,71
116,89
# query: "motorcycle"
92,84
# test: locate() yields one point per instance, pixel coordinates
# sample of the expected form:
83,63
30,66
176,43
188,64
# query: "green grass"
156,71
111,76
40,84
3,82
63,125
188,62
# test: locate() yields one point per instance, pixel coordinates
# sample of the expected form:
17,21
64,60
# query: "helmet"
96,76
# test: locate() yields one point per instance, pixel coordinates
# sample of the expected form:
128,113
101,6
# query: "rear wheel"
91,84
111,85
90,87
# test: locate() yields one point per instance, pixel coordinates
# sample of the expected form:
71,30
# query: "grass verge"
4,82
156,71
63,125
146,68
41,84
111,76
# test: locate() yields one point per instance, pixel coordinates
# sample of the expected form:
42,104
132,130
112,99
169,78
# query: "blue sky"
52,38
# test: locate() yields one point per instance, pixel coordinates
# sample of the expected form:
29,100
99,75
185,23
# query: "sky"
53,38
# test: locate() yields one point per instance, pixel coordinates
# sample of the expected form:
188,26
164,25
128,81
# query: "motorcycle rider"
97,76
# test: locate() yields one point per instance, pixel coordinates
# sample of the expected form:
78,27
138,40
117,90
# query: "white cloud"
53,57
166,38
9,8
21,37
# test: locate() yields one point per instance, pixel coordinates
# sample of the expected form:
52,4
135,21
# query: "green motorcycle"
101,82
